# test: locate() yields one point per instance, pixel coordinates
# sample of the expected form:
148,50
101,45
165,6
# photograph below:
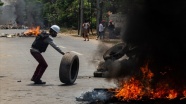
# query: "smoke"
21,12
156,31
33,16
7,12
98,54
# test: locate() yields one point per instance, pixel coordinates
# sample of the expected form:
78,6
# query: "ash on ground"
95,95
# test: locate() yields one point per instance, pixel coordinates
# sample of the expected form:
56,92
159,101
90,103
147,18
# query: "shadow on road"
67,84
32,84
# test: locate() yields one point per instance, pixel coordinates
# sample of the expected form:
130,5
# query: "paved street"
17,67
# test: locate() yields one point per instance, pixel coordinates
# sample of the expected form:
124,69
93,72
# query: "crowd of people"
102,27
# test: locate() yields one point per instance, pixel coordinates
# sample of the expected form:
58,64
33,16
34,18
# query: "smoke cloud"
156,31
21,12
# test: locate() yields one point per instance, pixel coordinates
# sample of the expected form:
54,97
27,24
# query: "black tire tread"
64,71
107,55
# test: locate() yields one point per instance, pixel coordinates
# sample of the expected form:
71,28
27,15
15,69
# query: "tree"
1,3
66,13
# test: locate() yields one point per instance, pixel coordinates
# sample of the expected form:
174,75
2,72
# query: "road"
17,67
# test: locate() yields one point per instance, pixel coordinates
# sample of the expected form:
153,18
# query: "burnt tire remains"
115,52
69,68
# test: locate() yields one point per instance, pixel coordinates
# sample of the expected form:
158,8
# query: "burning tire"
69,68
114,52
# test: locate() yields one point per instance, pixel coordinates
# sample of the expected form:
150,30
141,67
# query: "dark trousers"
100,35
40,69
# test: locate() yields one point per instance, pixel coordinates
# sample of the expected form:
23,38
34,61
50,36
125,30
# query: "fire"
33,31
136,88
146,72
172,94
131,90
184,93
164,93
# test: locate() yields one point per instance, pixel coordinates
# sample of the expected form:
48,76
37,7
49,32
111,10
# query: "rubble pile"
31,32
12,26
15,35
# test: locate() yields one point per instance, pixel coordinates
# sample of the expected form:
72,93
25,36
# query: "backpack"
39,43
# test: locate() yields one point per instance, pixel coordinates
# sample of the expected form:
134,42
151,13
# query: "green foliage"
65,12
93,24
1,3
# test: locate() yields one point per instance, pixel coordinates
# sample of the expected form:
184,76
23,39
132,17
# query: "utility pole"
79,10
81,17
98,16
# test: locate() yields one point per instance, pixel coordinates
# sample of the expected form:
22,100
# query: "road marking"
61,47
76,53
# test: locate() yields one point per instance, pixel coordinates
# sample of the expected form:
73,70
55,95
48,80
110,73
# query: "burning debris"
154,43
28,33
20,14
140,89
136,88
33,31
109,96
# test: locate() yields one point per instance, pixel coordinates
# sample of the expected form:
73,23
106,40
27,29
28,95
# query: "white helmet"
55,28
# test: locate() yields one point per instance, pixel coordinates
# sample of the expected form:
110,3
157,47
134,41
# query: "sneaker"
32,79
39,82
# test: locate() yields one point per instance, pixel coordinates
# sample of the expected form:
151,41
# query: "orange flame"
136,89
131,90
33,31
163,92
184,93
146,72
172,94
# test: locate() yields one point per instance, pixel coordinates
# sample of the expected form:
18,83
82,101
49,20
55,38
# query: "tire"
104,74
115,52
98,74
69,67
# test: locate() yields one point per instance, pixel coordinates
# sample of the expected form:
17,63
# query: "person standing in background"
101,31
86,26
111,28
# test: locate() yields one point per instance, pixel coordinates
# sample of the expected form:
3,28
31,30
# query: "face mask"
54,34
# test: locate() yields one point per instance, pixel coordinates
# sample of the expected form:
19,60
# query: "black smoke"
156,29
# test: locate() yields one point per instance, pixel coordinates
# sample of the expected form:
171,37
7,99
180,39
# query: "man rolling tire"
39,46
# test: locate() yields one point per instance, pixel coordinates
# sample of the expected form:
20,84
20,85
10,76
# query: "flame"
184,93
172,94
146,72
163,92
33,31
131,90
136,89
